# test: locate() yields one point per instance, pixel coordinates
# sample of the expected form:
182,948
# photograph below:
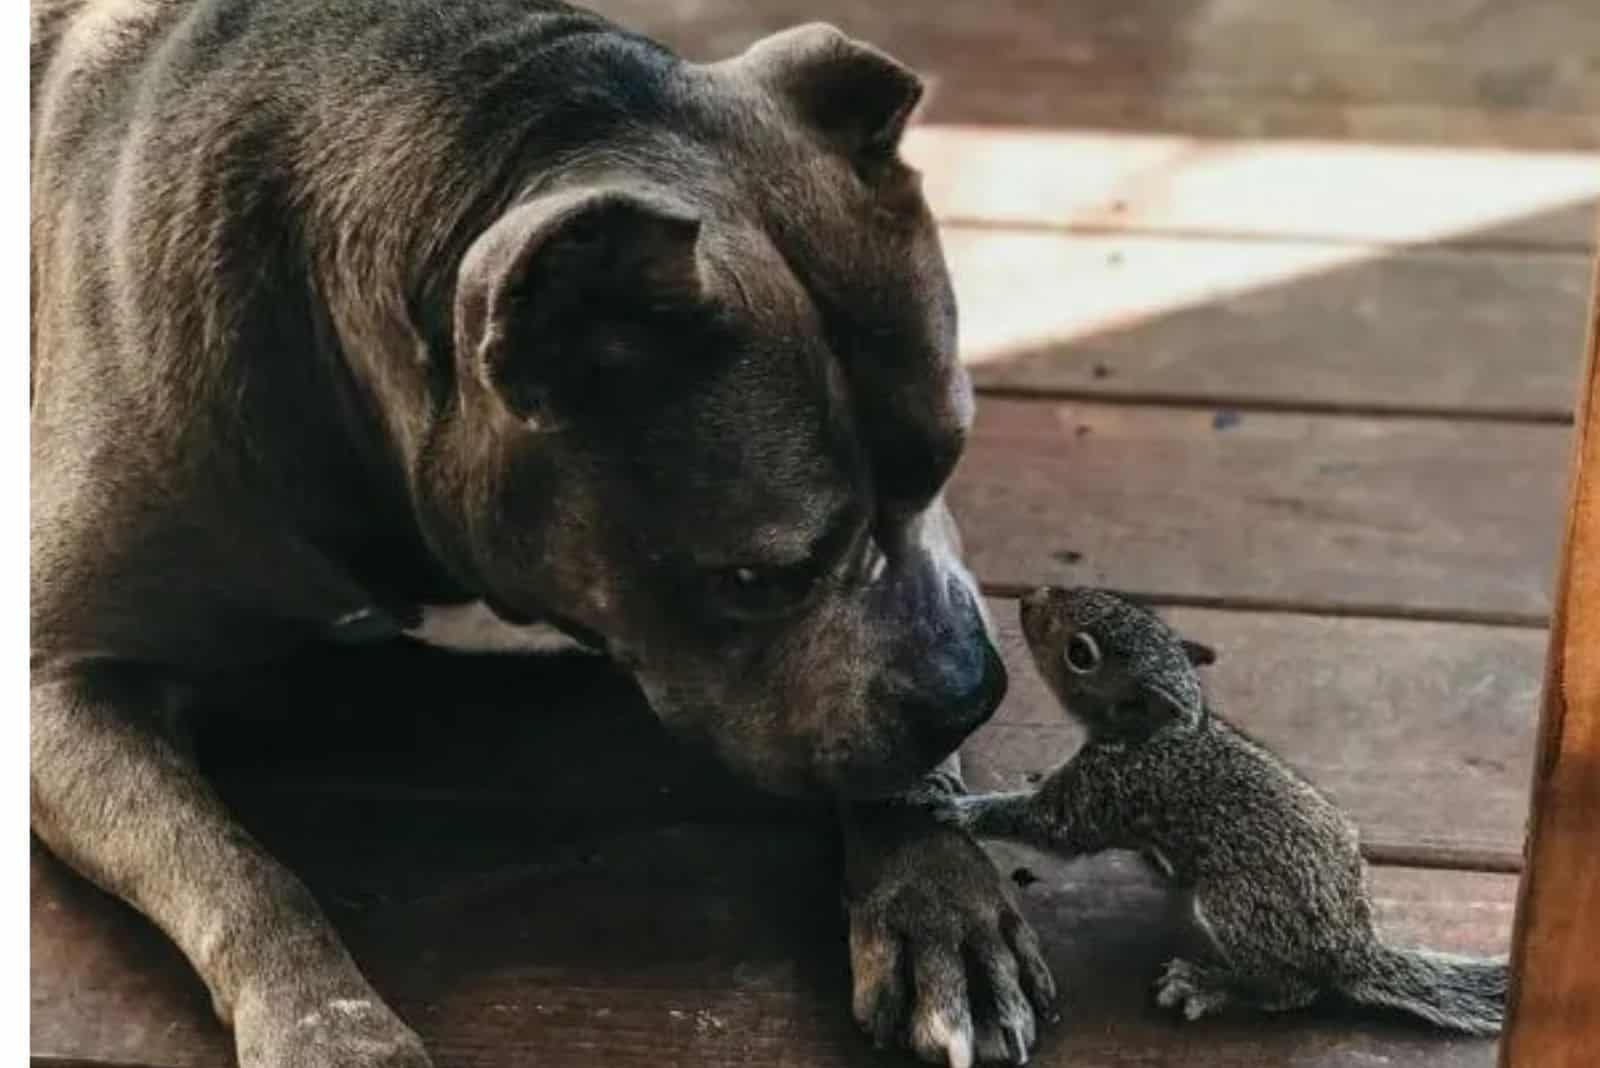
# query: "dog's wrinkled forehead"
850,236
1147,647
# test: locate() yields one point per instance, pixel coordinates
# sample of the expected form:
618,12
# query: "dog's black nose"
966,691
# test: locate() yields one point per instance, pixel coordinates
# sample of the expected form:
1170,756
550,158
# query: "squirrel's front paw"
953,811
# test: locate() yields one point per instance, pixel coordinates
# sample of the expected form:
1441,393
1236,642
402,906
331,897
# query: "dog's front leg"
116,798
940,957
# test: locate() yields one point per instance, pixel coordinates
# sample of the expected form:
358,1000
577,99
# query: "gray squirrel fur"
1274,867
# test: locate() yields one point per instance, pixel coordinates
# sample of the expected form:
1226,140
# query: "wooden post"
1554,1011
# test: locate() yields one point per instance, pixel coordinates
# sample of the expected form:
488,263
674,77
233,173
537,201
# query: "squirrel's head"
1115,666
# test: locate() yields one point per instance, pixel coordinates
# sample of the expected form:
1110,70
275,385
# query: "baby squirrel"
1277,879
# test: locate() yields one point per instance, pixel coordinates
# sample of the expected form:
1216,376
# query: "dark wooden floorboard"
517,902
717,946
1422,730
1317,510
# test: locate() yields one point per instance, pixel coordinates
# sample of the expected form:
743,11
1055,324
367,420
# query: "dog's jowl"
482,321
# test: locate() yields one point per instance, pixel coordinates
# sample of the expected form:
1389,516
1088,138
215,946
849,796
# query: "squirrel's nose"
1038,597
1034,602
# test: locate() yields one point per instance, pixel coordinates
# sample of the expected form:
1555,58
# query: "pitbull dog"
492,323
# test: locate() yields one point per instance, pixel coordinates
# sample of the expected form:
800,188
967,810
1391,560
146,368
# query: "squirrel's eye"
1082,655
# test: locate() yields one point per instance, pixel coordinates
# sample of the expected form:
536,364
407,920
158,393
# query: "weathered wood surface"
1557,986
1287,324
1454,71
1418,516
683,945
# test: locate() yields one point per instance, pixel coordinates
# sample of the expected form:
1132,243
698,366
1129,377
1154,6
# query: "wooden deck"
1277,318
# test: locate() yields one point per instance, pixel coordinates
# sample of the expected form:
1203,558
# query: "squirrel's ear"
1199,654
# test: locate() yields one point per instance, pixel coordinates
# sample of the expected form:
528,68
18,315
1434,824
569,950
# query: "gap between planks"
1381,853
1461,413
1441,246
1296,607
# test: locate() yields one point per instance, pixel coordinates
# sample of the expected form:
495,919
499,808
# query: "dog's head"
709,399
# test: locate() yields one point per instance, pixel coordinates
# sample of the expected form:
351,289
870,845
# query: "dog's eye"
1082,655
756,592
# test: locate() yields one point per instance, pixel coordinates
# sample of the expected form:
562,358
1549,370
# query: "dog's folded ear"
858,97
558,258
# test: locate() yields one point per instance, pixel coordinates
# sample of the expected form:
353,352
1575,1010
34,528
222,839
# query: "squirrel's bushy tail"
1466,994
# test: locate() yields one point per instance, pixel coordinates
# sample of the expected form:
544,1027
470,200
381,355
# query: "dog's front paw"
286,1029
941,959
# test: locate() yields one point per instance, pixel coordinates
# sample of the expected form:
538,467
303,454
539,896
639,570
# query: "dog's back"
245,216
177,145
89,34
84,60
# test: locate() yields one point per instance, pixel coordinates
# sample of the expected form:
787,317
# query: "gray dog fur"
348,313
1274,868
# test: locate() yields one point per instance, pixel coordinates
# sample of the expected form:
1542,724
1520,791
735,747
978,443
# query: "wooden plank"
482,848
1458,71
1097,181
1289,324
1422,731
1384,516
1556,985
719,947
1407,724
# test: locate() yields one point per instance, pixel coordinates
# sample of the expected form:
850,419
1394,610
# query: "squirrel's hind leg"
1206,989
1239,975
1197,989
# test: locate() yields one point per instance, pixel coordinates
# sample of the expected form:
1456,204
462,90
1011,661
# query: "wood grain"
1285,324
1556,985
685,945
1456,71
1450,518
